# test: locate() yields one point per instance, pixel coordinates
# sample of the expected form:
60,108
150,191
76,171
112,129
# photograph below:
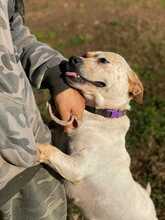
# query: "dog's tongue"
71,74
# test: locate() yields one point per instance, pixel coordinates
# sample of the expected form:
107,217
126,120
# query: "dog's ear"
135,87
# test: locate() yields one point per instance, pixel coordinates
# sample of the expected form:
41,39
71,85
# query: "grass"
136,30
162,2
45,36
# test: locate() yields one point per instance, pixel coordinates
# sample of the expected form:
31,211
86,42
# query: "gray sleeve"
36,57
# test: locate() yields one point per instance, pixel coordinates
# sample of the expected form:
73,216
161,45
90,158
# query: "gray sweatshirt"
21,126
37,58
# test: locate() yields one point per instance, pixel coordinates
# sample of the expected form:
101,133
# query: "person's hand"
70,102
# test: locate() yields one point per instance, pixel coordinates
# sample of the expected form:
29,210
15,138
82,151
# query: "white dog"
98,167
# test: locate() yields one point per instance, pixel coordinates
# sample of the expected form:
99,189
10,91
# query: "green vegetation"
45,36
162,2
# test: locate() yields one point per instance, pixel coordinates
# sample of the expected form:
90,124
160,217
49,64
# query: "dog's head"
105,79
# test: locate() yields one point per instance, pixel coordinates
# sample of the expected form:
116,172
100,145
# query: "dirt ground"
136,30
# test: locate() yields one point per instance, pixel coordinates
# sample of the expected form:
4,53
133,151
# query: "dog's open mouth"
71,73
74,76
78,78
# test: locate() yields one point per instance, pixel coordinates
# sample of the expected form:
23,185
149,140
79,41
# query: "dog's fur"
98,167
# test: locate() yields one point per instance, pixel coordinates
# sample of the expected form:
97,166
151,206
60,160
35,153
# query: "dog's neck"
105,124
110,110
99,102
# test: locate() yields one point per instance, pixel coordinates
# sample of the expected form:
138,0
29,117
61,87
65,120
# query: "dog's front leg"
72,168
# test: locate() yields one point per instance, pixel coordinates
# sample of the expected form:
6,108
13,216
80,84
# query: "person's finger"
78,115
66,116
68,128
62,110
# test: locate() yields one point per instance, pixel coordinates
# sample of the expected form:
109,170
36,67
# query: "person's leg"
42,198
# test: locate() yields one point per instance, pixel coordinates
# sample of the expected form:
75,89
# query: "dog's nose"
75,60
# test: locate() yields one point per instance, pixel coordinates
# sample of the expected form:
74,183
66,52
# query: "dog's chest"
110,178
99,133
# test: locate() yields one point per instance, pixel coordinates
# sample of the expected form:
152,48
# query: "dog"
97,170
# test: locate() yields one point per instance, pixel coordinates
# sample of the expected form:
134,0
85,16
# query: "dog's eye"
99,84
103,60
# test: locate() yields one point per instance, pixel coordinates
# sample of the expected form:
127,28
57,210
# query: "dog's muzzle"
71,72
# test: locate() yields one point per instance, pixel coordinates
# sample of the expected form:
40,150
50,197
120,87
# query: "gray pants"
42,196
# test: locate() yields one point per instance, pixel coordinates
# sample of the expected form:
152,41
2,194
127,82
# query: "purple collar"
108,113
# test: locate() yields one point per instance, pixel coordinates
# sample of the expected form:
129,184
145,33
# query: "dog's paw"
45,151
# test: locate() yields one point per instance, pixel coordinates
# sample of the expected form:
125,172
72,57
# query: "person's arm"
41,64
38,59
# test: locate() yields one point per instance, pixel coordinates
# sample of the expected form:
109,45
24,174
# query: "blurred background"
136,30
